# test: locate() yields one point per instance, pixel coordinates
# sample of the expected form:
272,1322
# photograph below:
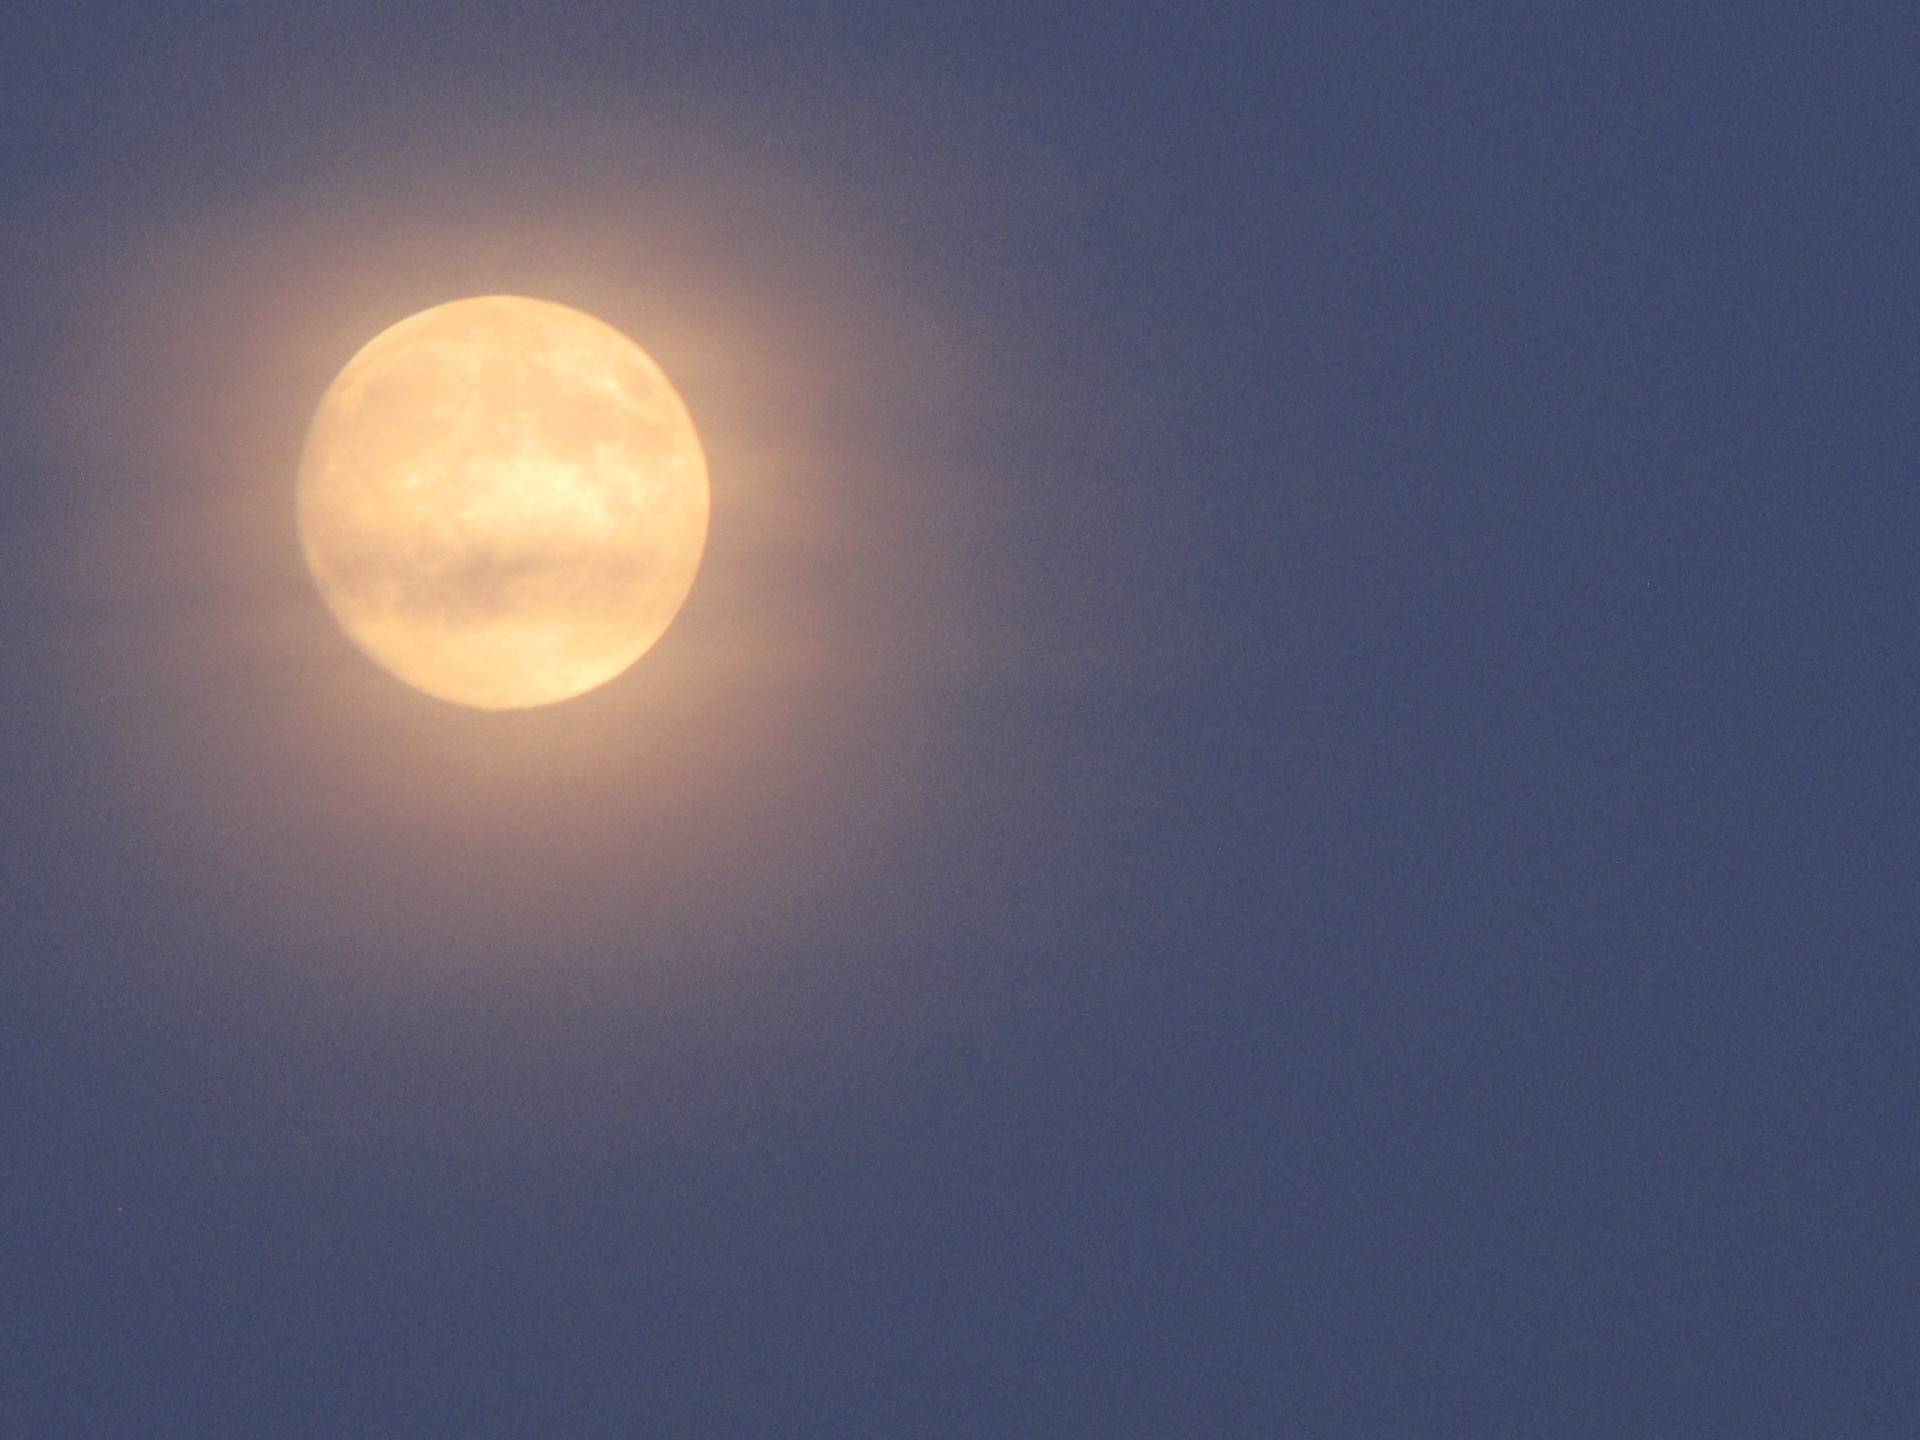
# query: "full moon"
503,501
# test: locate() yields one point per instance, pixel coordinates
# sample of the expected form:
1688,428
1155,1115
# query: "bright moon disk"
503,501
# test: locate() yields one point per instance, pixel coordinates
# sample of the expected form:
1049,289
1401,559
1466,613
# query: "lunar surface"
503,501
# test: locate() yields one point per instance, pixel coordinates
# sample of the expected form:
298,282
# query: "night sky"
1287,804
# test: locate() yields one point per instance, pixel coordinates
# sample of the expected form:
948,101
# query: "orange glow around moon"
503,501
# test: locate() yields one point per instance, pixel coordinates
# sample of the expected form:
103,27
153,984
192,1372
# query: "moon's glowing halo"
778,748
503,501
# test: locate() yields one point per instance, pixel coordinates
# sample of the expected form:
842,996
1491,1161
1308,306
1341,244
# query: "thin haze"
1284,806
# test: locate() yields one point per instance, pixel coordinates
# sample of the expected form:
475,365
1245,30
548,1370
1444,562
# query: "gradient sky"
1286,807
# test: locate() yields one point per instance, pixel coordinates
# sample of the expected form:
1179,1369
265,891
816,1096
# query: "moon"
503,501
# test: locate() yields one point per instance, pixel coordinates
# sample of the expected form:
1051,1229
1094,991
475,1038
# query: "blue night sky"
1287,805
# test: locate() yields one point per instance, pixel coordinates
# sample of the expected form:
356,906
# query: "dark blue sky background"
1423,941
